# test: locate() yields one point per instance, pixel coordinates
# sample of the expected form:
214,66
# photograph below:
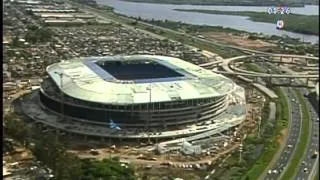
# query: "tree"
15,127
106,169
15,41
268,130
37,35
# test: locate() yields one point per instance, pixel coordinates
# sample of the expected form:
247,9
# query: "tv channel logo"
280,24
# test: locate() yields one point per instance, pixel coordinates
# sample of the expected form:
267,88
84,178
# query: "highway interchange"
308,166
294,131
295,119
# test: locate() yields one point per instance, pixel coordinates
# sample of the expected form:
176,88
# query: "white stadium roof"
82,82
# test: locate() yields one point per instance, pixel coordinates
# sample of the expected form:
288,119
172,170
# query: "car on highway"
275,171
315,154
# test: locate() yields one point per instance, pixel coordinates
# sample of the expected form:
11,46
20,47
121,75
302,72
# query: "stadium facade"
145,96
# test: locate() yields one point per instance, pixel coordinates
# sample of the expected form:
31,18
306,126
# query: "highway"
292,139
295,108
294,132
226,63
309,162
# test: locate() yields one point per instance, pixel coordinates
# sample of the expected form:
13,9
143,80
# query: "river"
166,11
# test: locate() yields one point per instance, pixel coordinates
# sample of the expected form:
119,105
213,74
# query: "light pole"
259,126
61,94
149,111
240,150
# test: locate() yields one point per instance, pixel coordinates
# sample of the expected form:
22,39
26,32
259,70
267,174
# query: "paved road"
133,158
295,108
226,63
296,116
293,136
309,162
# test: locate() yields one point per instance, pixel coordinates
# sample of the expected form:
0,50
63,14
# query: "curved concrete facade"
199,102
157,114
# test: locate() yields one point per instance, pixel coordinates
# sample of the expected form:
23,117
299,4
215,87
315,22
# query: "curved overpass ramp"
225,65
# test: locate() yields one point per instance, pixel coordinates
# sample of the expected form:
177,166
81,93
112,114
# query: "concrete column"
307,81
102,139
40,125
269,80
280,58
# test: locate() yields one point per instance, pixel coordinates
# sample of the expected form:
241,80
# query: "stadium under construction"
136,97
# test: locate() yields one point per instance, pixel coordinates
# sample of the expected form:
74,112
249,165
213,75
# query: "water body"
166,11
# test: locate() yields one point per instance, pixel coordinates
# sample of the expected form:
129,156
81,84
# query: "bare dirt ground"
284,133
242,41
129,155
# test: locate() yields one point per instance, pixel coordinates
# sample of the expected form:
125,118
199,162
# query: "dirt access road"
241,40
133,158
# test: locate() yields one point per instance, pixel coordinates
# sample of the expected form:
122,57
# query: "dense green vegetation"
258,152
285,44
303,140
254,163
317,175
305,24
188,28
52,152
234,2
272,144
37,35
14,127
253,67
222,51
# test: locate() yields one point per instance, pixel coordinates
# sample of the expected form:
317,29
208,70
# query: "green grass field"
253,67
293,22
